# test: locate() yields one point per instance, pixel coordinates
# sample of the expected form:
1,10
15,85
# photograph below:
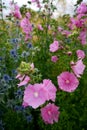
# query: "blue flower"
6,77
13,40
19,93
13,53
1,125
16,108
29,118
1,58
14,71
29,45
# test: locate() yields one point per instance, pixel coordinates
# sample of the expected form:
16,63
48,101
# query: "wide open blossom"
50,113
78,68
67,81
35,95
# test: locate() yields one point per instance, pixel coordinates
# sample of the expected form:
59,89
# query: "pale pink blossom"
60,29
83,36
40,27
78,68
35,95
66,33
24,104
80,54
54,59
50,88
32,66
54,46
28,15
67,81
50,113
26,25
24,81
20,77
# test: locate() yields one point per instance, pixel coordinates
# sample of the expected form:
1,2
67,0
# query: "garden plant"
43,73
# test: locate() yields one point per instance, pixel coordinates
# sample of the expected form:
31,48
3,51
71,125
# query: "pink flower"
28,15
16,12
82,8
78,68
50,113
35,95
60,29
66,33
24,81
40,27
82,37
50,88
80,54
54,58
27,27
67,81
32,66
24,104
54,46
20,77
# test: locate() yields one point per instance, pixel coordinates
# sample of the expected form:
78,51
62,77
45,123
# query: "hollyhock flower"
49,27
50,113
78,68
50,88
16,11
54,58
80,54
67,81
54,46
60,29
75,23
26,26
35,95
24,104
66,33
83,36
20,77
24,81
82,9
40,27
79,16
28,15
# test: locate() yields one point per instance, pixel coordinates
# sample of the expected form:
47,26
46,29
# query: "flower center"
49,112
36,94
67,81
